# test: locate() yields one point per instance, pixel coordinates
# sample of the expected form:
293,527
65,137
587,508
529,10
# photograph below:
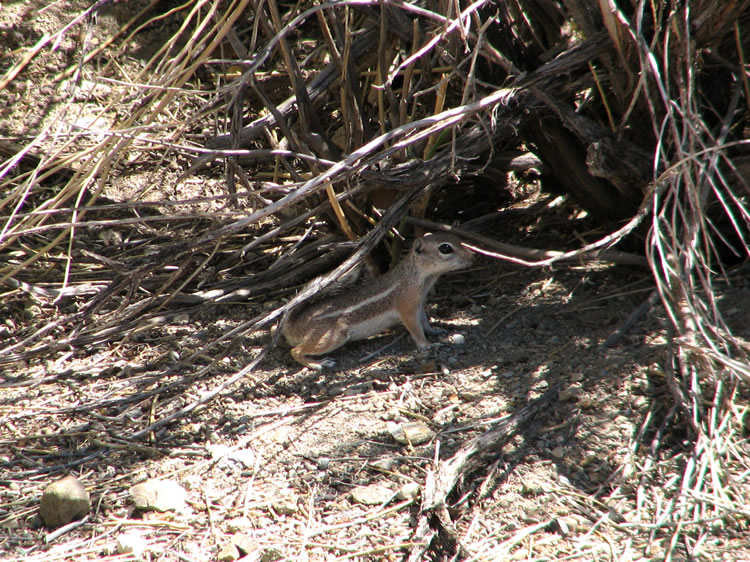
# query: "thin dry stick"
542,258
408,73
339,212
439,105
434,519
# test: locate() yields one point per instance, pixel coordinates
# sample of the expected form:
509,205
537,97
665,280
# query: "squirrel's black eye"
445,248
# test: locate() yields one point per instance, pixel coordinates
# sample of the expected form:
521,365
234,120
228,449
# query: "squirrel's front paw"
326,364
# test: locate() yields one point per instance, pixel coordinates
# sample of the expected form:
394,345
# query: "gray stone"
244,543
371,495
411,433
408,491
457,339
161,495
64,501
239,525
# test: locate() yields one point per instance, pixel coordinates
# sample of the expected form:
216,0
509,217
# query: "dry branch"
435,531
640,114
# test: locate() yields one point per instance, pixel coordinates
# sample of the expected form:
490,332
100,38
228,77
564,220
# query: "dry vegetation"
163,159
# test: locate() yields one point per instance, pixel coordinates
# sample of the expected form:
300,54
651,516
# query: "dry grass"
312,129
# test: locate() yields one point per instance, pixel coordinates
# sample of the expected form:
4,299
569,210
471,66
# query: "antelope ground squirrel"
366,310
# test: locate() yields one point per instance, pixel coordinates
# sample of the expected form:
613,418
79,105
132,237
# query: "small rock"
131,542
588,459
411,433
161,495
285,507
64,501
558,452
573,391
218,451
246,457
562,526
457,339
391,414
239,525
111,237
182,318
228,553
335,390
244,544
531,489
408,491
384,464
356,389
371,495
32,311
533,516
